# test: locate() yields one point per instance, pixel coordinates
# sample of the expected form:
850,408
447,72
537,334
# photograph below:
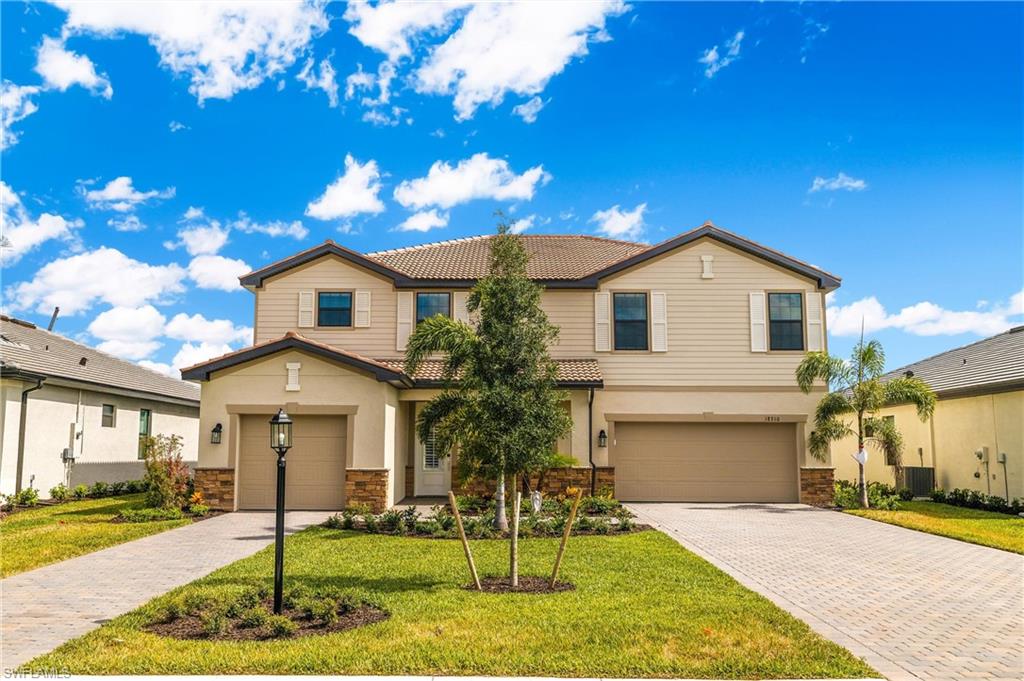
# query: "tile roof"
25,346
570,371
991,364
564,256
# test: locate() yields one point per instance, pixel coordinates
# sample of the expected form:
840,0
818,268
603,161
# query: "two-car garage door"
727,462
315,478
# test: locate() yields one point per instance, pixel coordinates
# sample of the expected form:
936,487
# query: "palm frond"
869,359
820,366
887,439
826,432
913,391
445,417
439,334
833,405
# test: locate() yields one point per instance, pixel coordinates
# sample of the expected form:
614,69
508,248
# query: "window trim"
416,305
423,455
103,415
148,433
351,308
611,319
803,318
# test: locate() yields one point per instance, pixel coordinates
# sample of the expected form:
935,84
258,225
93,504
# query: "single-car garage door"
315,476
730,462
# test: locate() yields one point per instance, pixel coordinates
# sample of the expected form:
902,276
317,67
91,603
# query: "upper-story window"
786,321
430,304
334,308
629,312
108,417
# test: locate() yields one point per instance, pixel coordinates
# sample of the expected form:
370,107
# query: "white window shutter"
307,318
758,322
815,328
602,322
293,376
362,309
459,311
659,321
405,299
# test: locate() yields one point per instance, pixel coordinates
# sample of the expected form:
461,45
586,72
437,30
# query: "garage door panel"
315,476
727,462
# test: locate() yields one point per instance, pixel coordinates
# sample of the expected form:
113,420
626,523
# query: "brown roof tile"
569,370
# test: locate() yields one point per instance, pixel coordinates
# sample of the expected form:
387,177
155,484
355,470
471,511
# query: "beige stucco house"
678,360
975,438
74,415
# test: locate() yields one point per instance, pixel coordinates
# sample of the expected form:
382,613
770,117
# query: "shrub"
334,522
938,496
598,505
370,521
213,623
118,488
167,476
27,497
472,504
978,500
360,509
905,494
60,492
443,517
80,491
624,518
391,521
253,618
195,498
146,515
294,596
409,518
135,486
280,626
175,610
348,520
99,489
324,610
200,510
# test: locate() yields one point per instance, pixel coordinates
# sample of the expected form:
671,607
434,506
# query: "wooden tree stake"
565,537
465,542
514,558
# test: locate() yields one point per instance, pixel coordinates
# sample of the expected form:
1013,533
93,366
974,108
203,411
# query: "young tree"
499,405
857,390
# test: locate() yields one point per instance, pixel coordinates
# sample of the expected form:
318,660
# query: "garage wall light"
602,439
215,434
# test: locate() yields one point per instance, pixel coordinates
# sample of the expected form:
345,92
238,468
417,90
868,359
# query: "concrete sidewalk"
43,608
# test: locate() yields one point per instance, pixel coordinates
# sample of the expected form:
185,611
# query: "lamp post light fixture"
215,434
602,439
280,442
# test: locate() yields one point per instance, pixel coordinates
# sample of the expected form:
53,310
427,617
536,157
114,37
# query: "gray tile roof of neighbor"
990,365
26,347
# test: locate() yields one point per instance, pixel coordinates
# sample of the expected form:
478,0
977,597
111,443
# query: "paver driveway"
43,608
913,605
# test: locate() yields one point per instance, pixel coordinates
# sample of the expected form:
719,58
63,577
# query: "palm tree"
858,389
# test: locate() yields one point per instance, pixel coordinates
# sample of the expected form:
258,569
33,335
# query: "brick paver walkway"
43,608
913,605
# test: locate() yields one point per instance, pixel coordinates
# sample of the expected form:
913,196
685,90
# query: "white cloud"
478,177
15,104
324,79
511,47
383,118
191,353
842,181
923,319
61,68
128,332
275,228
128,223
119,195
715,61
424,221
223,47
77,282
217,272
390,27
202,239
620,224
529,109
177,126
198,329
160,368
19,233
522,224
353,193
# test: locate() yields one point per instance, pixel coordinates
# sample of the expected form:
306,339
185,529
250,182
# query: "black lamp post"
280,442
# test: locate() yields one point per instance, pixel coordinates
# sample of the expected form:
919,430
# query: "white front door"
433,474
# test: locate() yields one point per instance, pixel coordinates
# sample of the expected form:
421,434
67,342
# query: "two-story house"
678,360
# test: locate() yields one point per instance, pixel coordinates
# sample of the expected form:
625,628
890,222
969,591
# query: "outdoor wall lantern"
280,442
602,439
215,434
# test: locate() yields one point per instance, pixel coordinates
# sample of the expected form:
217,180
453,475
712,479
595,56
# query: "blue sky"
154,152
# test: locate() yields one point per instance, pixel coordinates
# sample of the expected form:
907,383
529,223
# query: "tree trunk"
513,569
861,483
500,519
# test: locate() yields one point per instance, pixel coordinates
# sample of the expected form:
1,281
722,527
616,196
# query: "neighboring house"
975,439
74,415
678,360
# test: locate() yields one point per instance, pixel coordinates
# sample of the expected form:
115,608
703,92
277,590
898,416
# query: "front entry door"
433,474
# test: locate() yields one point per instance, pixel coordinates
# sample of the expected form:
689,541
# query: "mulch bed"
527,585
190,627
212,513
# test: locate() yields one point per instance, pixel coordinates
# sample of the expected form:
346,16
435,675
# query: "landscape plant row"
969,498
29,496
880,495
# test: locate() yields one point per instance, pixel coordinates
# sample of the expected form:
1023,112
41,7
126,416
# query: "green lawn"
998,530
644,607
48,534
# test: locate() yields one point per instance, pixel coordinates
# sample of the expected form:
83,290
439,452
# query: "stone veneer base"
217,486
556,481
367,486
817,486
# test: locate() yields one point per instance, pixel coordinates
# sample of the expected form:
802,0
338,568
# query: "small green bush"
360,509
99,489
146,515
905,494
213,623
979,500
175,610
938,496
599,505
27,497
200,510
280,626
253,618
391,521
625,519
294,596
371,523
334,522
443,517
324,610
135,486
118,488
80,491
409,518
60,492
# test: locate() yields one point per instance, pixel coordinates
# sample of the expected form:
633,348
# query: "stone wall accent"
410,481
556,481
217,486
817,486
367,486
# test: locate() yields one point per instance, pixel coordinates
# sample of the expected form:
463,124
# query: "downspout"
23,417
590,443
